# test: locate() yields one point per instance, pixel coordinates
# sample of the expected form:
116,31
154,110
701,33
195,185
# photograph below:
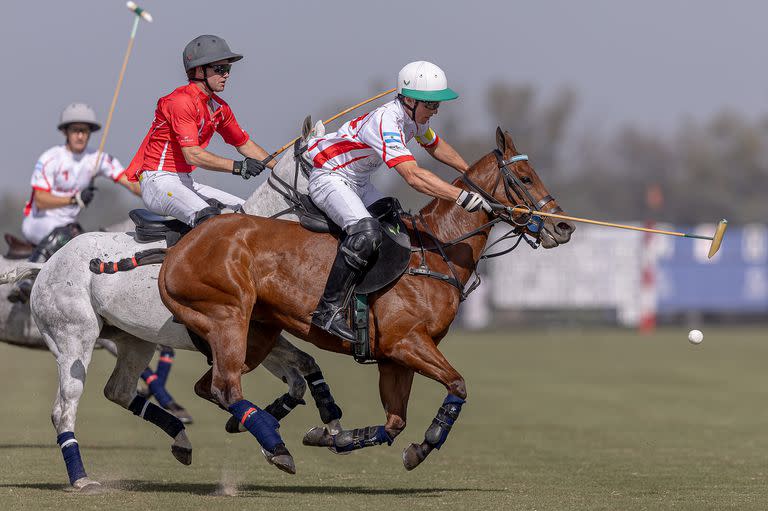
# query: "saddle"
151,227
394,252
18,248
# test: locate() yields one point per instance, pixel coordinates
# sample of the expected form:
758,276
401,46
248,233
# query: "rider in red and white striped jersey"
344,161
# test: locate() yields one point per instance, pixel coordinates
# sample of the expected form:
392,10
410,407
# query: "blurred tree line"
706,170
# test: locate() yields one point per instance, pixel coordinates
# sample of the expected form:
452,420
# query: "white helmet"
424,81
79,112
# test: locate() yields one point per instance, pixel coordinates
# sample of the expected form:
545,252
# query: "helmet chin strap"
204,80
411,109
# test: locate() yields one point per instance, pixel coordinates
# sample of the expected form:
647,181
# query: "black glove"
248,168
472,201
84,197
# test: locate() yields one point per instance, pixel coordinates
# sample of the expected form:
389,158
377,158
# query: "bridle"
288,191
529,222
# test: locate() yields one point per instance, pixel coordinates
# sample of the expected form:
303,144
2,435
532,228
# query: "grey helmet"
79,112
205,49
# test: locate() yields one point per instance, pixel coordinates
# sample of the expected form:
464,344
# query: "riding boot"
331,313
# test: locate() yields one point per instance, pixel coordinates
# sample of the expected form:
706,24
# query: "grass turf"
555,419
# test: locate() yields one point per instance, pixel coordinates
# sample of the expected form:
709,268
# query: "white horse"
18,328
74,307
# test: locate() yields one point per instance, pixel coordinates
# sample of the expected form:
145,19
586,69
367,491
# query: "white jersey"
361,145
63,174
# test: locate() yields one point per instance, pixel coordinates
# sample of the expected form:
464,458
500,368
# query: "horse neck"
266,201
448,221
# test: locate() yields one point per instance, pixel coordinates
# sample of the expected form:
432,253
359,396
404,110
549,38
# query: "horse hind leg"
395,387
132,358
299,369
70,334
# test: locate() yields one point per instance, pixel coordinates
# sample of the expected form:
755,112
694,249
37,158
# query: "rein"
501,213
290,192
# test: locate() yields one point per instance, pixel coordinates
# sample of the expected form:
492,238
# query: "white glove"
472,201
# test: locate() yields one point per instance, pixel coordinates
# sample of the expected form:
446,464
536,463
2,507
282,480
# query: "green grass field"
555,419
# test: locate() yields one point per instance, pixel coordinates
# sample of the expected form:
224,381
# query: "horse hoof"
318,437
233,426
281,458
87,486
183,454
180,413
413,455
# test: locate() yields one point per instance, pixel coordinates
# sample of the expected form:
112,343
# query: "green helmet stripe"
446,94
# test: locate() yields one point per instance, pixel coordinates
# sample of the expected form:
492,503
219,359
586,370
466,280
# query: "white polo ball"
695,336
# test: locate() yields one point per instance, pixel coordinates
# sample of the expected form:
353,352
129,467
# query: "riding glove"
248,168
472,201
84,197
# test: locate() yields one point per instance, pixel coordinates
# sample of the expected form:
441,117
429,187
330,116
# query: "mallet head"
139,11
717,239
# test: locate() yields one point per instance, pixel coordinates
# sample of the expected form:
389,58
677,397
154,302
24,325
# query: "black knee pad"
362,242
206,213
56,239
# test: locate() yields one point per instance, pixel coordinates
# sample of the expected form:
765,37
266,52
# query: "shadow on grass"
244,489
85,447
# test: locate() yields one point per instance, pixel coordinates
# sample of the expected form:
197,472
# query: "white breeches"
344,202
177,195
35,228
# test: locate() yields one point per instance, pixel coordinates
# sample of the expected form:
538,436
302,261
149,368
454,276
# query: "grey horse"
74,307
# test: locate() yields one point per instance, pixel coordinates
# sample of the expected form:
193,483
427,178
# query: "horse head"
507,180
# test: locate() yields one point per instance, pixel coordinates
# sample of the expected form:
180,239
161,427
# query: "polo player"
185,121
344,161
62,187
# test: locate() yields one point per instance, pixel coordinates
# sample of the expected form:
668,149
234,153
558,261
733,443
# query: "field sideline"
556,419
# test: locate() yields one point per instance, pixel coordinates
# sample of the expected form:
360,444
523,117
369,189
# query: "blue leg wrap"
156,387
164,364
354,439
150,412
71,453
260,423
441,425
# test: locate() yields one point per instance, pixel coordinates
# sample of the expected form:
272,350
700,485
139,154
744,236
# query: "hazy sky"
650,62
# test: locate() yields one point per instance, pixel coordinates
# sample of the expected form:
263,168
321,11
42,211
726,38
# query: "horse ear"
306,127
501,140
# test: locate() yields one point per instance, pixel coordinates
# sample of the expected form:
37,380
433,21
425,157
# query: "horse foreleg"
422,356
394,387
236,349
132,358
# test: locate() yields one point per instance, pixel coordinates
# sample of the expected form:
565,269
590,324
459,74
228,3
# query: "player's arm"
426,182
46,200
443,152
133,186
253,150
199,157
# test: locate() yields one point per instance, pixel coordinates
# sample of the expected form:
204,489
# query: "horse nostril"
564,227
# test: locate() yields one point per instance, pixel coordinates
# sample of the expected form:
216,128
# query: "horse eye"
527,180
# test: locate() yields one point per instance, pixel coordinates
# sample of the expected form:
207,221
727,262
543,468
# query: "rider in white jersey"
344,161
62,187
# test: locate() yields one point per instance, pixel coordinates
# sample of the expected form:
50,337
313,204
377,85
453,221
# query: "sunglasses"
430,105
220,69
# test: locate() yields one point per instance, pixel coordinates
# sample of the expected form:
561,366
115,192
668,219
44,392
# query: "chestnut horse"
237,281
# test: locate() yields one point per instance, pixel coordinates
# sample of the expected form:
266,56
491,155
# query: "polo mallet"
343,112
139,13
716,239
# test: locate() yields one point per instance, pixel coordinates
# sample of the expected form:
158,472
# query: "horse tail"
21,272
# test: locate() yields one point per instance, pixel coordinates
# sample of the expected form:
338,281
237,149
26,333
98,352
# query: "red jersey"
183,118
